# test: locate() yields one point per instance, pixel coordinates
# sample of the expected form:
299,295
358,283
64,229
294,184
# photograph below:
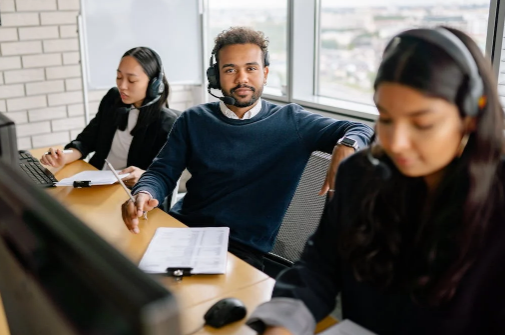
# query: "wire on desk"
196,330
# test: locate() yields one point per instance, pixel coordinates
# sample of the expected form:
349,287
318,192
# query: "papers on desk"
347,327
203,249
94,177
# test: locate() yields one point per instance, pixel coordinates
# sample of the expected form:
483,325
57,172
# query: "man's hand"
132,211
277,331
134,175
339,153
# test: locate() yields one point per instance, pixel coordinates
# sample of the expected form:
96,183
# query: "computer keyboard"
37,173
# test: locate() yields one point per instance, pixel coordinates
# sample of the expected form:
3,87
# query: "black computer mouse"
225,311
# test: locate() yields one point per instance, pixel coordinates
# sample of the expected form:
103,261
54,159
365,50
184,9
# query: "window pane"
268,16
352,39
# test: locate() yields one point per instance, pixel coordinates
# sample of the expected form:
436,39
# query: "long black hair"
152,68
401,238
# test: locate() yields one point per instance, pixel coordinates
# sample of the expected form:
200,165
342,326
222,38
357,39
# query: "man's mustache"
242,86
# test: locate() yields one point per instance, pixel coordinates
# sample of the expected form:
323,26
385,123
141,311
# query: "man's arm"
319,133
161,177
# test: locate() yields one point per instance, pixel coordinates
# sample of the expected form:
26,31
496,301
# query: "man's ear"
266,70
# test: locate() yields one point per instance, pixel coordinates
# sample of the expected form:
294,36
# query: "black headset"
156,85
458,51
213,71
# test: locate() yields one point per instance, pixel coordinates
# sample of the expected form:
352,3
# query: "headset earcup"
153,89
213,77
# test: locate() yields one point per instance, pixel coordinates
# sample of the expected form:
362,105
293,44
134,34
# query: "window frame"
303,30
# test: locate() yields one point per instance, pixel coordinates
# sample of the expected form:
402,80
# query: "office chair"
302,216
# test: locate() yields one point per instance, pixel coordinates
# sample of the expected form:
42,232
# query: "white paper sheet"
203,249
96,177
347,327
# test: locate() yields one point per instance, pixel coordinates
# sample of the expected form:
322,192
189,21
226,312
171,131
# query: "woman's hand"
55,158
134,175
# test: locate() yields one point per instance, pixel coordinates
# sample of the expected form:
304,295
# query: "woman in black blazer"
131,124
413,239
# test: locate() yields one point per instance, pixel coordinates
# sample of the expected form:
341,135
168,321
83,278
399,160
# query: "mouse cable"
196,330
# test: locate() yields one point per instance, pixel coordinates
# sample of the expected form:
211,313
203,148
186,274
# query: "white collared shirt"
118,154
248,115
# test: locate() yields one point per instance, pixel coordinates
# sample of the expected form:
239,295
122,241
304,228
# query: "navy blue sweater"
244,172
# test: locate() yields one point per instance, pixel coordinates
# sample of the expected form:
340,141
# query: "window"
268,16
353,35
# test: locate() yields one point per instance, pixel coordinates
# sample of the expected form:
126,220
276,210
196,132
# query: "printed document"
203,249
94,177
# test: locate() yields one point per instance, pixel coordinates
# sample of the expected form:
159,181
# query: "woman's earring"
265,83
463,143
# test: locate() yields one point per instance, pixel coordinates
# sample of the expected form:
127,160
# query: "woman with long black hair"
413,238
132,122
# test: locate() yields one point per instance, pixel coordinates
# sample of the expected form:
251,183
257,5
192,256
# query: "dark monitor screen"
58,277
8,141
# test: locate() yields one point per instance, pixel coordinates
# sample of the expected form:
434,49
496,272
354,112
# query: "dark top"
478,306
244,172
98,135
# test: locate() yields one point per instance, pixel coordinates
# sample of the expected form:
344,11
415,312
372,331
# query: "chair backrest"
304,212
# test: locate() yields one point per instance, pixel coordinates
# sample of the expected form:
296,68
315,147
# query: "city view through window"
352,39
352,35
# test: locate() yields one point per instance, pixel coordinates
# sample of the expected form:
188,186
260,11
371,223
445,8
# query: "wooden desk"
100,208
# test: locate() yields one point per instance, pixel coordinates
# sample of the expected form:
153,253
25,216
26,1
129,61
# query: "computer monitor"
58,277
8,141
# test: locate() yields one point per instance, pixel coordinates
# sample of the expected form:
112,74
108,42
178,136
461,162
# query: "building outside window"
353,35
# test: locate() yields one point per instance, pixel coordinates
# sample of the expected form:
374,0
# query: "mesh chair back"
304,212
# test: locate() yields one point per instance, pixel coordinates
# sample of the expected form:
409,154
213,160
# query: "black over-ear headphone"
458,51
213,71
156,85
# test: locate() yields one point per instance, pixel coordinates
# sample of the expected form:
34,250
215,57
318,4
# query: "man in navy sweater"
245,155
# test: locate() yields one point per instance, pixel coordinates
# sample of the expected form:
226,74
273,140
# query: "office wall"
40,72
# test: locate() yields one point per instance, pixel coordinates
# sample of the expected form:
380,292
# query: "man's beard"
255,96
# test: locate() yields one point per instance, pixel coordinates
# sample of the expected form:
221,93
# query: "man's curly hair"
240,35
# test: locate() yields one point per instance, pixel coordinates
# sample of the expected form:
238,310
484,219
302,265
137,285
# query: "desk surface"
100,208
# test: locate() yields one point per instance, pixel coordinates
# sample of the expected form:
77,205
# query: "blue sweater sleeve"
322,133
315,279
161,177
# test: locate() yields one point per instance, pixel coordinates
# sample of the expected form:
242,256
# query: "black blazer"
98,135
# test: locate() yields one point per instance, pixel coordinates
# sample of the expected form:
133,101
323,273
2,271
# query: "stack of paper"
94,177
203,249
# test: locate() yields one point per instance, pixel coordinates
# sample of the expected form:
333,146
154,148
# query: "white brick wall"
23,76
8,6
35,5
42,87
38,33
68,71
13,62
40,72
21,48
19,19
49,113
71,58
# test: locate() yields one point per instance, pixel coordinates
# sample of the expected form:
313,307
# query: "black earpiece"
156,85
457,50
